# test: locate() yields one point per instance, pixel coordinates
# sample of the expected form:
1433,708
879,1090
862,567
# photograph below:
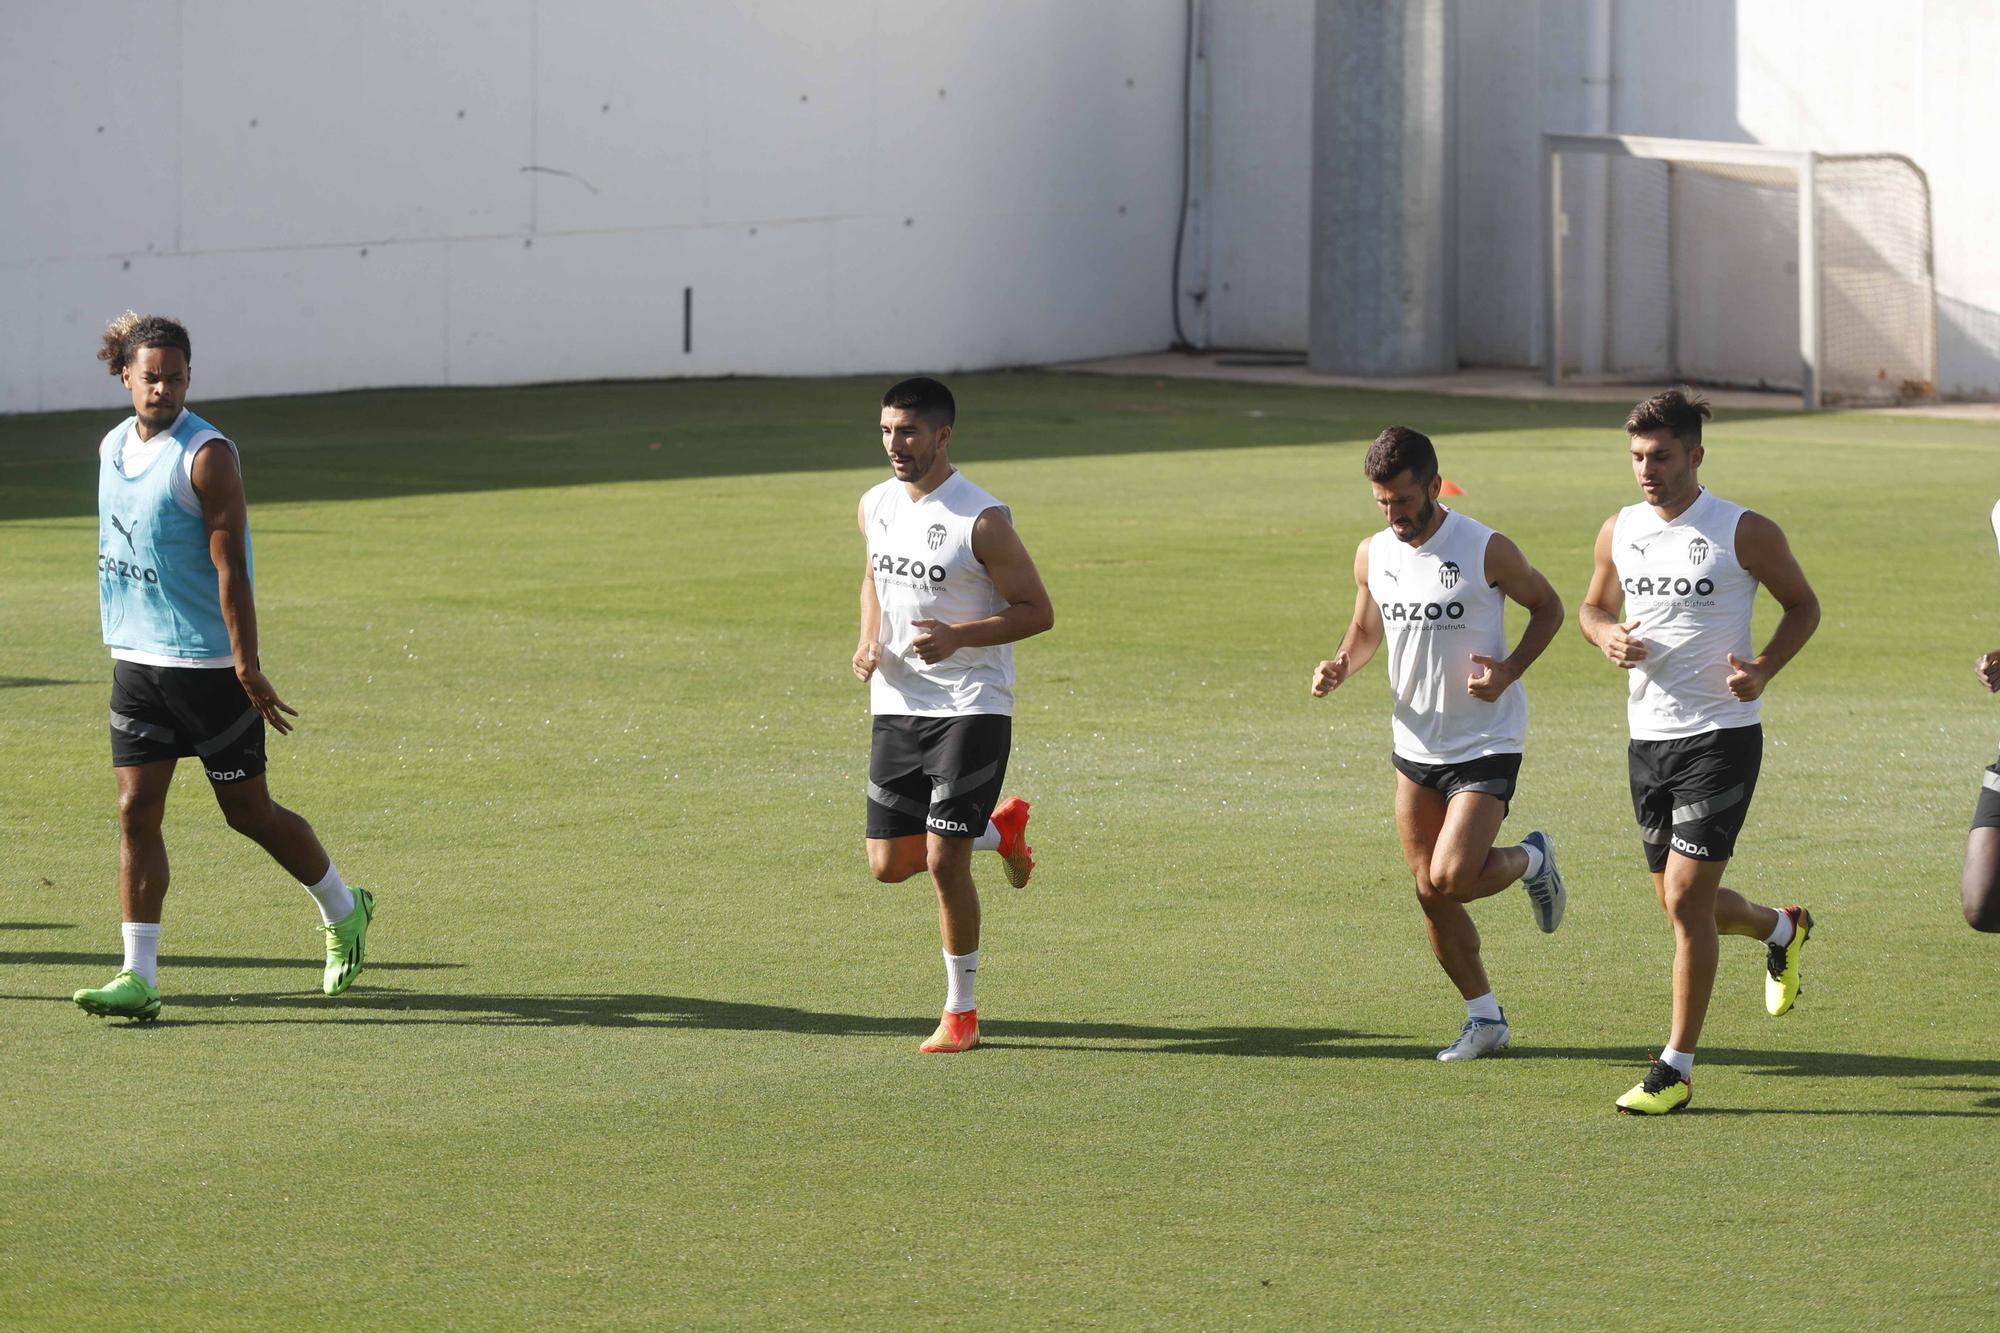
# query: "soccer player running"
174,590
1434,585
1979,884
946,591
1684,565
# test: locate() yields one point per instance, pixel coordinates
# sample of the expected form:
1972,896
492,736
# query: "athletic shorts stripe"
1488,775
155,710
1691,794
1986,813
938,775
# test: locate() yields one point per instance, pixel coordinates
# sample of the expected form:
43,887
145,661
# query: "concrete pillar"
1384,229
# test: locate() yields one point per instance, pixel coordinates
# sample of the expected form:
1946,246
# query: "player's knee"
947,856
248,815
1982,910
139,814
888,866
1430,896
1453,875
1690,909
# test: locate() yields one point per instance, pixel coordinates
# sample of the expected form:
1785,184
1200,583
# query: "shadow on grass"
405,442
631,1011
35,682
37,925
667,1012
57,958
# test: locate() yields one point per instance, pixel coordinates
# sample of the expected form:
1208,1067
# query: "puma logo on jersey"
1392,576
1640,546
126,533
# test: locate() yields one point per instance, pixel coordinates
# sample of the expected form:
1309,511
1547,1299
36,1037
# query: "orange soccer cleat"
955,1033
1015,853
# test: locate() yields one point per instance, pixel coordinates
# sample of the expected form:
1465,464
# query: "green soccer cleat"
128,995
343,944
1781,979
1664,1089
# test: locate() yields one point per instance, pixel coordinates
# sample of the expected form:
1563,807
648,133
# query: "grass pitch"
636,1042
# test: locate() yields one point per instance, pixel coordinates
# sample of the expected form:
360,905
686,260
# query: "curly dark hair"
1400,449
131,331
1679,412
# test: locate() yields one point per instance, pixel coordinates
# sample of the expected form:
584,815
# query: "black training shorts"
1691,794
161,713
936,774
1986,814
1488,775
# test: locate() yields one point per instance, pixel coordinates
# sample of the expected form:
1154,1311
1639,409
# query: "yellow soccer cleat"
127,995
955,1033
1664,1089
1781,982
346,942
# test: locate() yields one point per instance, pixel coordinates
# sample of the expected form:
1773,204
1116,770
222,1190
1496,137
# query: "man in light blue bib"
174,591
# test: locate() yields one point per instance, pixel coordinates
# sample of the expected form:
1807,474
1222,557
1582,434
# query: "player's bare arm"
1508,570
997,546
1363,637
1605,598
218,481
868,649
1762,550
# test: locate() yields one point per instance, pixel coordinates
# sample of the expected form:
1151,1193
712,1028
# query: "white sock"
1782,932
1483,1006
1681,1060
335,899
961,971
142,949
988,841
1535,859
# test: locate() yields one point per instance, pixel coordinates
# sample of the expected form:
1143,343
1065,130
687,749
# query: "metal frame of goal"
1681,259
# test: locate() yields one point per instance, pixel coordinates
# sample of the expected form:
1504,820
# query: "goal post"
1737,264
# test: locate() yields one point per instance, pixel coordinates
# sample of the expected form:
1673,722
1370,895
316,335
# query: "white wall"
1259,187
1839,76
490,191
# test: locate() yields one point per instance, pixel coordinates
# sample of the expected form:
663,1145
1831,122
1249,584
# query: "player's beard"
1418,525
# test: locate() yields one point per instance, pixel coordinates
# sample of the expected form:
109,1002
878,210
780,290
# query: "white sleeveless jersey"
921,552
1437,611
1996,520
1692,600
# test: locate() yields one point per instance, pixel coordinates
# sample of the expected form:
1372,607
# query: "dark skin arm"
997,546
218,481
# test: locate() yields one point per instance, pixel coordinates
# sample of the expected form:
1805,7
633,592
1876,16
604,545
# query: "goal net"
1735,264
